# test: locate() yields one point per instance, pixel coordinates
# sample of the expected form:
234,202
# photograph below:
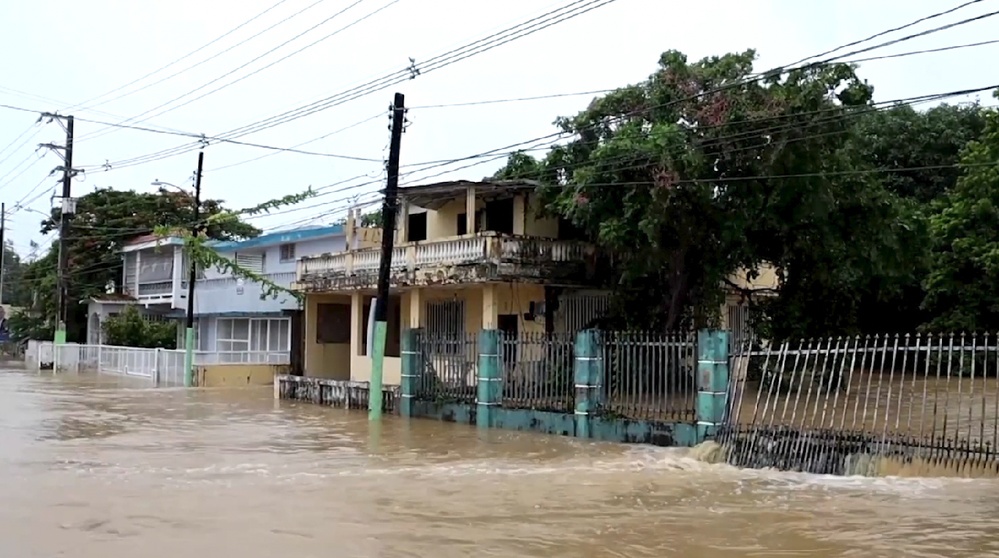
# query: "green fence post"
412,369
588,379
712,382
489,378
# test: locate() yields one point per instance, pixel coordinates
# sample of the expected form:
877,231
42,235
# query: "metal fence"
650,376
450,367
163,367
856,405
537,371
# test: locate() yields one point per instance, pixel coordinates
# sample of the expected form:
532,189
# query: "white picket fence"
163,367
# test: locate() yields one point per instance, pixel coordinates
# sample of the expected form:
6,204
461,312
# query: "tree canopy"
105,220
707,167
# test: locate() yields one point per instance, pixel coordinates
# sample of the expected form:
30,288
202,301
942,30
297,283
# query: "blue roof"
279,237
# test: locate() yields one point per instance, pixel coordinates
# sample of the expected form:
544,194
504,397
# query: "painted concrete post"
712,382
490,379
588,379
412,370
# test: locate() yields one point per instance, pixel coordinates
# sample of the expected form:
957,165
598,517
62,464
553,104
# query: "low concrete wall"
238,375
346,394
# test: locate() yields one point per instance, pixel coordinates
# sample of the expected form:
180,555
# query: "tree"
701,170
105,220
961,287
130,329
15,292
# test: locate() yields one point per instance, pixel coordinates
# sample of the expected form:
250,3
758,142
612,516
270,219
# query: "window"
393,326
251,262
253,334
446,325
287,252
416,227
462,224
333,323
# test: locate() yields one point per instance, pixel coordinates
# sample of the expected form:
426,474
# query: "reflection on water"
108,469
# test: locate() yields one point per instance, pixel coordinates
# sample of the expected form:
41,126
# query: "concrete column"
489,378
403,222
412,369
712,382
520,208
588,373
470,210
351,230
490,307
416,308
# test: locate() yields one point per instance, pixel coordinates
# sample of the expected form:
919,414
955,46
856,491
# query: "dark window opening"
462,225
499,216
509,325
416,227
569,231
333,323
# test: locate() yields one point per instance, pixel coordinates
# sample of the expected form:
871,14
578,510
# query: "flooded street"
106,468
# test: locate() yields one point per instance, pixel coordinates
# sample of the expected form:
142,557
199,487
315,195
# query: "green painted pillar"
588,373
412,370
712,382
490,378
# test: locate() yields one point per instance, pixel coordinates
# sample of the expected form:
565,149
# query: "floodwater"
105,468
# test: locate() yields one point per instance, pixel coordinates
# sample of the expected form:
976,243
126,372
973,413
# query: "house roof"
280,237
112,297
434,196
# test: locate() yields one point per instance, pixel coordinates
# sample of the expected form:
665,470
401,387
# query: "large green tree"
962,286
704,168
105,220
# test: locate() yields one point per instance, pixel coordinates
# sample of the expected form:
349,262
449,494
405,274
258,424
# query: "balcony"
478,258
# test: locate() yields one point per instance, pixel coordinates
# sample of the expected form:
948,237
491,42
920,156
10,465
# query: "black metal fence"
650,376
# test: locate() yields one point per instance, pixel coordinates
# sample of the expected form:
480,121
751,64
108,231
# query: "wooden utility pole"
67,210
398,109
193,275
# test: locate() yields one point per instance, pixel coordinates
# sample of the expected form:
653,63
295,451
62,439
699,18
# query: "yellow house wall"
238,375
767,278
324,360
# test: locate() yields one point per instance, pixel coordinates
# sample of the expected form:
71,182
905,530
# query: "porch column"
351,230
520,208
470,210
415,308
490,307
178,270
356,323
403,222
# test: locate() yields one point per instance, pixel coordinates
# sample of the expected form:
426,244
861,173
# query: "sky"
112,62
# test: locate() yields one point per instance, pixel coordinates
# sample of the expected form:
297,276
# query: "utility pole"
3,247
193,275
68,209
385,265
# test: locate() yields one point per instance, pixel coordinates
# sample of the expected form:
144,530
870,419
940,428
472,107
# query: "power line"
188,55
229,73
572,10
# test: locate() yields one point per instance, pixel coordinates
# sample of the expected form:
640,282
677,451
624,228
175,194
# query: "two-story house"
230,316
469,256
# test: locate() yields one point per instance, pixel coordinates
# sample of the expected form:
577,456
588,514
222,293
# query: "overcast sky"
74,57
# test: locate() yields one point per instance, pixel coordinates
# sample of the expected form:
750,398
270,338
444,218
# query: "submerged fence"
163,367
643,376
873,405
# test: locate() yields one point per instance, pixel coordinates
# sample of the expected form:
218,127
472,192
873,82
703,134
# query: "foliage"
131,329
961,292
15,290
26,325
702,170
105,220
206,257
372,219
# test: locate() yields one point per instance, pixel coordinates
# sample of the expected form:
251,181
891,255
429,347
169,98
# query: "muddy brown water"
107,468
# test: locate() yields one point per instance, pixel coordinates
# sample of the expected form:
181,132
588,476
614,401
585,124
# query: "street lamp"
193,274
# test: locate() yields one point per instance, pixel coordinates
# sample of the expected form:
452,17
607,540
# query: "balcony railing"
470,249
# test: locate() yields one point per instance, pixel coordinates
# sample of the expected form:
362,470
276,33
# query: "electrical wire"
574,9
229,73
188,55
